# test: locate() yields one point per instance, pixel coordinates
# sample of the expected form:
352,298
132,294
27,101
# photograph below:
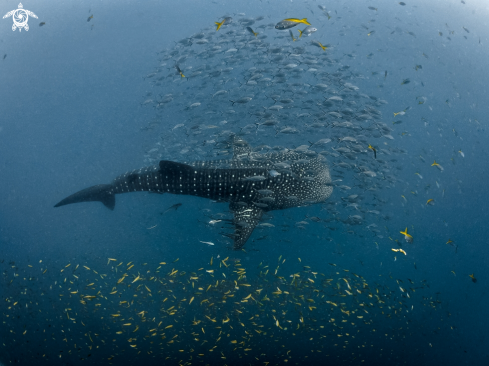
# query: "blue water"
73,115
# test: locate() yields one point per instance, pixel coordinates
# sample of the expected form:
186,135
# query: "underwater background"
92,90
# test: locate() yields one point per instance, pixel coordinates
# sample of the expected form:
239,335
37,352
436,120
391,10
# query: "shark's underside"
251,182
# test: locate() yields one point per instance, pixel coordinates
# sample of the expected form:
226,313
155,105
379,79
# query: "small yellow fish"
437,165
251,31
295,20
408,237
403,112
292,35
224,21
181,74
373,149
319,44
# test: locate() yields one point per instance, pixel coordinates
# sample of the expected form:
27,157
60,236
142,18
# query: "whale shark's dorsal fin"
240,148
245,220
167,166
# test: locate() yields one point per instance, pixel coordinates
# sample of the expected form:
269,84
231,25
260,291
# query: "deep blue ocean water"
79,106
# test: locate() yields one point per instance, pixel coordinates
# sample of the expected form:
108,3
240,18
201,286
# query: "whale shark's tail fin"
101,192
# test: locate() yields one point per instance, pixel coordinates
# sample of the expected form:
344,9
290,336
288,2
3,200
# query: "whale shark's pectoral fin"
245,220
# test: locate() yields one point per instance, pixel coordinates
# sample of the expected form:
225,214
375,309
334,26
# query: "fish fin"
305,21
300,33
101,192
245,220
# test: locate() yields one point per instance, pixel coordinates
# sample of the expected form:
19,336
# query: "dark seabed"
356,140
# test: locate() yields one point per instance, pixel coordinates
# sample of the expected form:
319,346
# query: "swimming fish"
251,31
290,23
226,20
307,31
319,44
373,149
408,237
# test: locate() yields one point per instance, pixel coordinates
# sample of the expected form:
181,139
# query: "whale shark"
252,182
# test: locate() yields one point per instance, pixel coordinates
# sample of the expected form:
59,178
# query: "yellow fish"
408,237
319,44
224,21
373,149
295,20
